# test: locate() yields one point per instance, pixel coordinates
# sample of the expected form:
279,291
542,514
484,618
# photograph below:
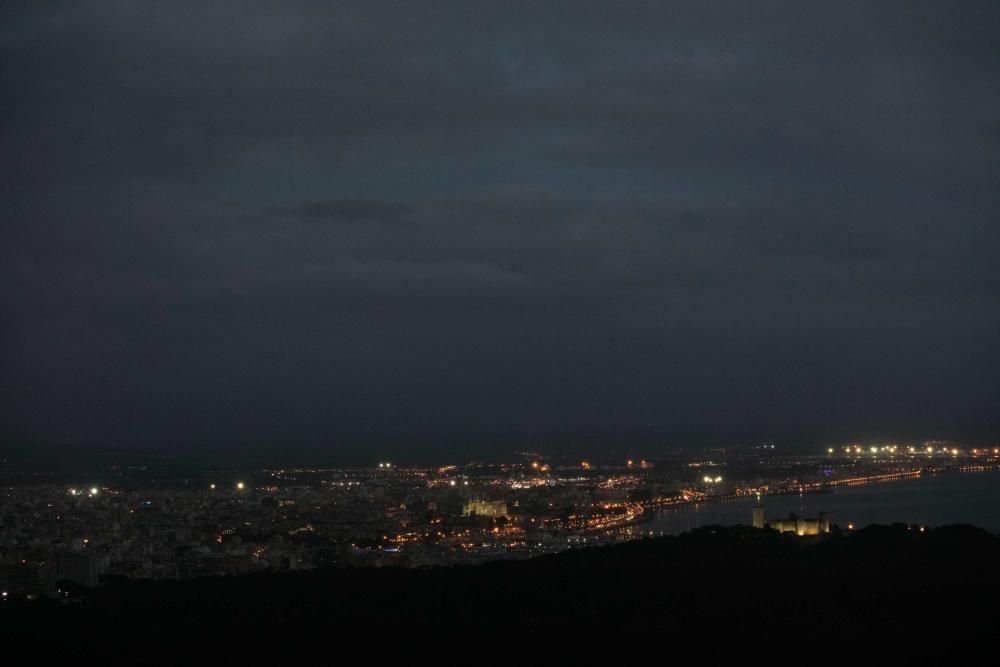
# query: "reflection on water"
929,500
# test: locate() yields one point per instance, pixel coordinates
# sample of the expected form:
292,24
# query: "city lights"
468,512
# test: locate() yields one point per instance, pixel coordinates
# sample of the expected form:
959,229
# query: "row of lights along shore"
93,491
891,449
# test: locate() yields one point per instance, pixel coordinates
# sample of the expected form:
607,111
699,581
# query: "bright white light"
452,482
240,485
93,490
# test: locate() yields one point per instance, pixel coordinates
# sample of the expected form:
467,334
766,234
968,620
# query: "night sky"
685,222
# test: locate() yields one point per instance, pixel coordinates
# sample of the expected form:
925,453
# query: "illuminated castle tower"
793,524
758,514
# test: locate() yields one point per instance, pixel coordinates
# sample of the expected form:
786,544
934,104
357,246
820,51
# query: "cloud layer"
700,222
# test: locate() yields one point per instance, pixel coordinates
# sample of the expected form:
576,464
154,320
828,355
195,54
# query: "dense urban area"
123,521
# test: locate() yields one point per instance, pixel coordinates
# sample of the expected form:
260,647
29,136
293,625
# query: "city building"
491,508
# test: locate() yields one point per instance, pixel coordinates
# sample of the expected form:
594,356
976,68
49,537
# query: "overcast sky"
700,222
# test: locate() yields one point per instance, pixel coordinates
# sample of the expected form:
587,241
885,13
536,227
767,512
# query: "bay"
930,500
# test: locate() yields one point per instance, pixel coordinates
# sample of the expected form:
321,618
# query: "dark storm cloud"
696,220
343,209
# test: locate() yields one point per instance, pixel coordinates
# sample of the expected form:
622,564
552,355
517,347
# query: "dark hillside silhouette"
891,592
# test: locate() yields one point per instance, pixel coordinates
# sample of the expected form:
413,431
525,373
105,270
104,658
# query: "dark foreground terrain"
890,594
